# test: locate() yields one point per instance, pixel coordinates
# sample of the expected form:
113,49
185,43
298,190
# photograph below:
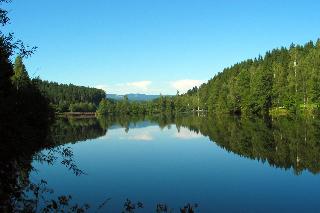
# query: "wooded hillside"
286,78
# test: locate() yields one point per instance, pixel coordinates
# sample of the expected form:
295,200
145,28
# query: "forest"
70,98
285,79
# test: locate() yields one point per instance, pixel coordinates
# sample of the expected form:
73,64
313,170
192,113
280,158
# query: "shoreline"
77,114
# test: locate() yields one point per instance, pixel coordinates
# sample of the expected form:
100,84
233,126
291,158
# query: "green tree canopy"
20,78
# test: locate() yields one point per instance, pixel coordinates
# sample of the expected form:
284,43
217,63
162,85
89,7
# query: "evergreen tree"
20,79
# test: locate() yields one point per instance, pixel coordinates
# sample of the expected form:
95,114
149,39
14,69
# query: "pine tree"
20,79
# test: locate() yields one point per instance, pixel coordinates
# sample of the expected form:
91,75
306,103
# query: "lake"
213,163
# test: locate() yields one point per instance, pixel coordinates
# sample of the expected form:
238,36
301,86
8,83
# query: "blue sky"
154,46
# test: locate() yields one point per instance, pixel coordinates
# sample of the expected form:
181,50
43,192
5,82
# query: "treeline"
285,78
71,98
163,104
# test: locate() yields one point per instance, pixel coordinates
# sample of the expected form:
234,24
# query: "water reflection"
19,147
282,142
286,143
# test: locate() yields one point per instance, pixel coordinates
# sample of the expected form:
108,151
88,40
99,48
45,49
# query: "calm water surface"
221,164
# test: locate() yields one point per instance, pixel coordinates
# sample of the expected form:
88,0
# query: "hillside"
69,97
284,78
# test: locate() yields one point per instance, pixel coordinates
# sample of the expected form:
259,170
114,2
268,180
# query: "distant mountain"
133,97
114,96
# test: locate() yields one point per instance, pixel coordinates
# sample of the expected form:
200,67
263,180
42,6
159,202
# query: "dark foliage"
71,98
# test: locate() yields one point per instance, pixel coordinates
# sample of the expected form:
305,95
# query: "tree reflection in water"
287,143
19,148
282,142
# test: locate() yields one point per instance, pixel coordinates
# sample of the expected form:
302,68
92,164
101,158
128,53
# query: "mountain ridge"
134,97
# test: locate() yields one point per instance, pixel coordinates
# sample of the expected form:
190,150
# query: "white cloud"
137,135
186,134
126,88
144,85
103,87
186,84
141,137
150,87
